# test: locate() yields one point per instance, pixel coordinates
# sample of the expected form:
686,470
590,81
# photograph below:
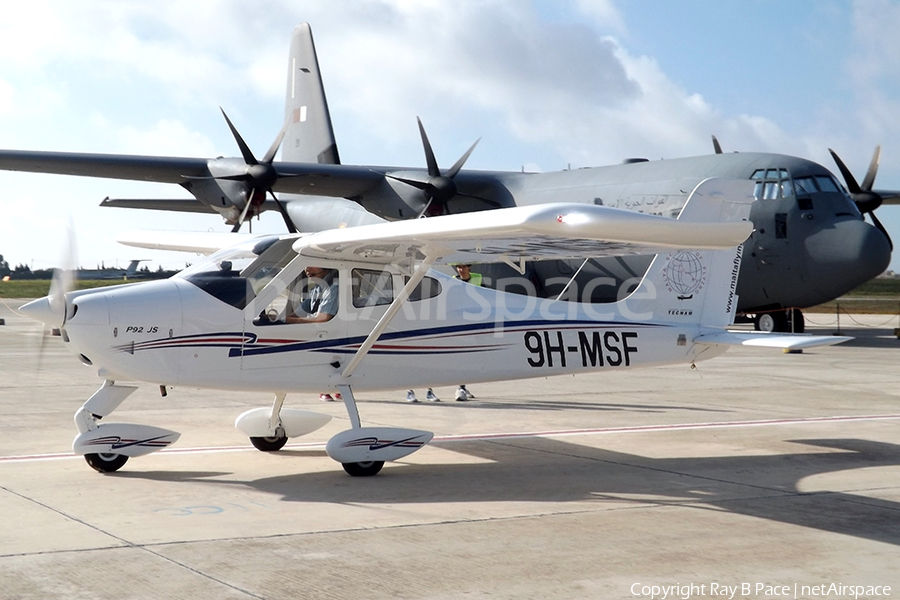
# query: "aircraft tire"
363,469
796,322
269,444
106,463
772,322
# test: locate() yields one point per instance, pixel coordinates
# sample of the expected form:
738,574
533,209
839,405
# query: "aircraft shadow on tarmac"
550,470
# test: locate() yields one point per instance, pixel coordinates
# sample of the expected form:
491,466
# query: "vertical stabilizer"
697,286
309,136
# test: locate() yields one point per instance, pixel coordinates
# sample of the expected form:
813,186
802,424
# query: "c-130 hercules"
811,243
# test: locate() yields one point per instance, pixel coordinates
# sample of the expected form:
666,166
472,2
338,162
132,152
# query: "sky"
545,84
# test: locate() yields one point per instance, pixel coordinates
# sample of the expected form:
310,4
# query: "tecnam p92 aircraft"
810,243
229,322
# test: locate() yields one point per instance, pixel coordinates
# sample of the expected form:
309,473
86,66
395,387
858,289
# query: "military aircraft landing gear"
780,321
106,462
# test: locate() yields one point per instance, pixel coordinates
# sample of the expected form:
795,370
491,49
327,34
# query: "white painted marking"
507,435
303,114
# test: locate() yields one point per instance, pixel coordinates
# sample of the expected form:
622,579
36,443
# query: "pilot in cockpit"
319,303
322,302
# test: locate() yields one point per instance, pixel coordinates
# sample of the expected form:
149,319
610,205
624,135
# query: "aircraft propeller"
866,199
258,176
437,188
53,309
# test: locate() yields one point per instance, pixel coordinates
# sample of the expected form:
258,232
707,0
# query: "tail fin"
309,136
133,267
696,286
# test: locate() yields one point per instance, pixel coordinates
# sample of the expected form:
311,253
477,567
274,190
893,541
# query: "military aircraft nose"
846,255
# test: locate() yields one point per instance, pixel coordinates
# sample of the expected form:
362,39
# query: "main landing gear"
269,443
363,469
362,451
780,321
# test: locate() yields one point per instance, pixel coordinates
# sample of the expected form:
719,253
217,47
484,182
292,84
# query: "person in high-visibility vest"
463,273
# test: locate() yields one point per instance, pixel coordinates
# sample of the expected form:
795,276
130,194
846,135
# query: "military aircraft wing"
560,230
164,169
342,181
889,196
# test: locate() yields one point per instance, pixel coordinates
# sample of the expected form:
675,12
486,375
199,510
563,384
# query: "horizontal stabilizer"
786,341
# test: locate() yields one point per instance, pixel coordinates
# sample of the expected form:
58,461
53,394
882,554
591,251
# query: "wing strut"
388,316
572,279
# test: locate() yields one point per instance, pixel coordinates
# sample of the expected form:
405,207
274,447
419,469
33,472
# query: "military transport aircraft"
239,320
811,243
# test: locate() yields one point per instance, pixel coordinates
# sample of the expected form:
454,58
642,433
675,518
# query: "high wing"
565,230
162,169
889,196
301,178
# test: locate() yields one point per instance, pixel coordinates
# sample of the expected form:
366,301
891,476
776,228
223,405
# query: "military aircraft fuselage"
810,245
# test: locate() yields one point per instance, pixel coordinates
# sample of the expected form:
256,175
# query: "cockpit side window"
805,185
371,288
827,184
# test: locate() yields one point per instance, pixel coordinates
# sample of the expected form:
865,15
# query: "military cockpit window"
787,189
772,184
805,185
757,190
827,184
372,288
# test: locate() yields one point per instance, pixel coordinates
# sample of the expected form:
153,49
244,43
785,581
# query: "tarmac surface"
758,468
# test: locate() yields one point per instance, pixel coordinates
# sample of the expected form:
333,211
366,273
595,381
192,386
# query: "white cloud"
544,83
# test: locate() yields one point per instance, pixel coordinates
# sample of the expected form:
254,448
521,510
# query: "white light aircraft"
223,323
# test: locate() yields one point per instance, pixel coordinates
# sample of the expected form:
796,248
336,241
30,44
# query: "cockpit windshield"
235,275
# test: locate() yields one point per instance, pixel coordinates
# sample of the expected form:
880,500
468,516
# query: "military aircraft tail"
309,137
696,286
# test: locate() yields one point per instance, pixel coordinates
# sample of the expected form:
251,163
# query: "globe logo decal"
684,274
